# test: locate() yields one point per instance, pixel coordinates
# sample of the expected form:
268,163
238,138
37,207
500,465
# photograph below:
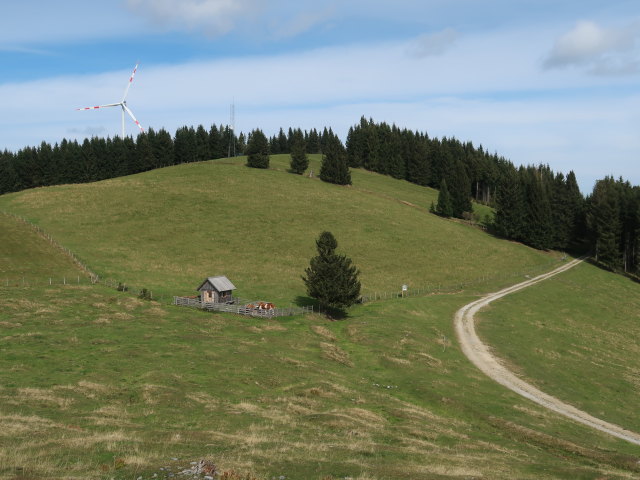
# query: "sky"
537,81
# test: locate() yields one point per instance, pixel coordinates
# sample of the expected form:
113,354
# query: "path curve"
481,357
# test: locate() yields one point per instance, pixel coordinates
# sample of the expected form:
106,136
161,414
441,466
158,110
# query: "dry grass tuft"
324,332
335,353
10,324
204,399
396,360
432,361
11,425
41,395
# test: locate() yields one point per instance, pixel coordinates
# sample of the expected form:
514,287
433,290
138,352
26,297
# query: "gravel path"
481,357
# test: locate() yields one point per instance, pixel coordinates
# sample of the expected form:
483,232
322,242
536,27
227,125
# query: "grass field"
584,320
95,383
168,229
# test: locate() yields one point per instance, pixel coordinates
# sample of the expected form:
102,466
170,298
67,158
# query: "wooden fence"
240,307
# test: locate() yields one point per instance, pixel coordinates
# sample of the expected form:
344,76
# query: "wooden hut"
216,290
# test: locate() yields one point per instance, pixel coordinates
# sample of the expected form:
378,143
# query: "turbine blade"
99,106
126,90
133,117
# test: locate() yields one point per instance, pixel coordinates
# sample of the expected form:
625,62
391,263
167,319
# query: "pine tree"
331,278
162,145
184,145
604,222
538,224
257,150
459,189
299,159
144,151
509,217
283,143
444,208
215,143
334,168
313,142
203,150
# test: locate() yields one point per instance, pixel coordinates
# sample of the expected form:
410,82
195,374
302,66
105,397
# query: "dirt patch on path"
480,356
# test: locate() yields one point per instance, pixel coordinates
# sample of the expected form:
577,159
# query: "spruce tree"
203,149
299,159
510,207
331,278
258,150
334,168
459,188
604,222
444,208
538,224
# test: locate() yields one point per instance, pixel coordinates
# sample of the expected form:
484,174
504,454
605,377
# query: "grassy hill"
168,229
95,383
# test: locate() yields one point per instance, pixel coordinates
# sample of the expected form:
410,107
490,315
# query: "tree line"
98,158
533,204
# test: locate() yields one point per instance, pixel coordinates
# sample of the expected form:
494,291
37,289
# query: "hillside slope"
168,229
588,322
95,383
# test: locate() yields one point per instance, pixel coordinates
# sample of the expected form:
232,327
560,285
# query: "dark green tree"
334,168
299,159
144,152
184,145
203,147
538,223
444,208
257,150
162,145
603,219
331,278
459,188
313,142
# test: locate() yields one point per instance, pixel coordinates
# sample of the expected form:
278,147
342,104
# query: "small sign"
405,288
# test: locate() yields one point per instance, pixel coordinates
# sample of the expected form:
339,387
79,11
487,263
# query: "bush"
144,294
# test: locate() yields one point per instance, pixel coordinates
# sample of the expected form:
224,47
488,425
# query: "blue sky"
541,81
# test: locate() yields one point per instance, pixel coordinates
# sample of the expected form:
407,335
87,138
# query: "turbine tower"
122,103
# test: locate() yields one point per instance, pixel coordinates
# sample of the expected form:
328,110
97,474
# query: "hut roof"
220,283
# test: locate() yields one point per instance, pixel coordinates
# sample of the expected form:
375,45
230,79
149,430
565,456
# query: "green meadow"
168,229
95,383
576,336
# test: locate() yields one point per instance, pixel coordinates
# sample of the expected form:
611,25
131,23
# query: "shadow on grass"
607,268
330,313
302,301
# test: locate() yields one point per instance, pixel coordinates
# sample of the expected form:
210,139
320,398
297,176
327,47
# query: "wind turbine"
122,104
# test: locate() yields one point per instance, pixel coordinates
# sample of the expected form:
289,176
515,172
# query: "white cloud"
601,50
430,44
302,22
213,17
488,90
29,23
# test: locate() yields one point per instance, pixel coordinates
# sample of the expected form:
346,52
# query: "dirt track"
481,357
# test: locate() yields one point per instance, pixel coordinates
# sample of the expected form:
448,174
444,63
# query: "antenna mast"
232,130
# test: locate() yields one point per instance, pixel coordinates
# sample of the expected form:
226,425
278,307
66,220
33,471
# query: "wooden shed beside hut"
216,290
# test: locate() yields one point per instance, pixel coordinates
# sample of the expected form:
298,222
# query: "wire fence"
43,234
448,288
91,278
